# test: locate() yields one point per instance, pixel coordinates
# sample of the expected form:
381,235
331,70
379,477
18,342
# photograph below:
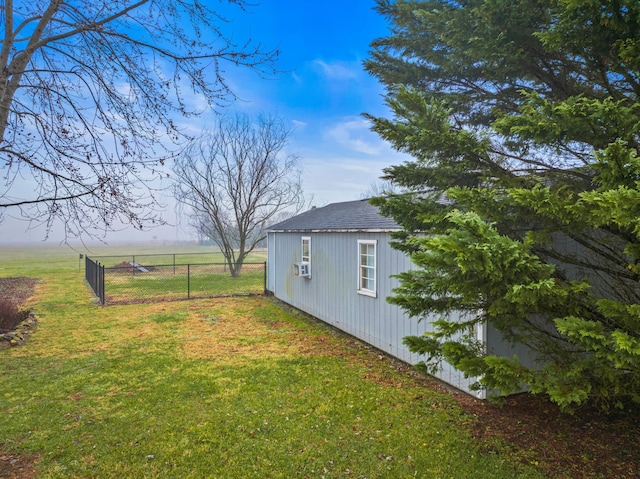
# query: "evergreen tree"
523,206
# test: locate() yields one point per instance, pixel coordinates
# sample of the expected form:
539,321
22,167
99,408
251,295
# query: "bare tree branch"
89,97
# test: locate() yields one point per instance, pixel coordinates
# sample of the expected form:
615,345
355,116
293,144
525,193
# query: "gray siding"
331,292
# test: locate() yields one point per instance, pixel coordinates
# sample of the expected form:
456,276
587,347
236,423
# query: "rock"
19,335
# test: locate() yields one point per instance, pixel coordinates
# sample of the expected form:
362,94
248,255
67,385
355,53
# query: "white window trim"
303,257
368,292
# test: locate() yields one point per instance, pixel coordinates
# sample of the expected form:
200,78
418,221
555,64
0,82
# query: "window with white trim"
306,251
367,267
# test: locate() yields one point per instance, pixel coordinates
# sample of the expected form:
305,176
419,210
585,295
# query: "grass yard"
126,285
219,388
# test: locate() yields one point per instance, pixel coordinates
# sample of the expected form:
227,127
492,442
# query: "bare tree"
235,179
89,97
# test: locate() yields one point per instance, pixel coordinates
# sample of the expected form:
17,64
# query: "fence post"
102,295
188,281
265,278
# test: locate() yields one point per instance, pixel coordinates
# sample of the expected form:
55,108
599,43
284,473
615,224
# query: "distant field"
26,259
165,255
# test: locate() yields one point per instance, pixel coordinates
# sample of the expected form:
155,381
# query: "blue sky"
322,91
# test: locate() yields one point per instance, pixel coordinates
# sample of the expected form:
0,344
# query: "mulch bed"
17,467
15,323
17,290
585,445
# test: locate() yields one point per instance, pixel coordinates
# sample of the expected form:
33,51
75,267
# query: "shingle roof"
348,216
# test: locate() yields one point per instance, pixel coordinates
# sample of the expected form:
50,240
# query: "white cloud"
355,134
299,125
338,70
342,179
343,160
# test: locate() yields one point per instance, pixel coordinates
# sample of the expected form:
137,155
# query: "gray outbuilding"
336,264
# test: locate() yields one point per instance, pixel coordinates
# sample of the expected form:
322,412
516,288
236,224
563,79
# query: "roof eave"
340,230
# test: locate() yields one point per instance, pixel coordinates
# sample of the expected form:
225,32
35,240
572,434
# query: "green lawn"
226,388
127,285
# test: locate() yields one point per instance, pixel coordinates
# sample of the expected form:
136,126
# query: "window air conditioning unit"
301,269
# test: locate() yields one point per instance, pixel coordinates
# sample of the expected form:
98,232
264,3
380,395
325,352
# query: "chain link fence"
132,282
159,259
